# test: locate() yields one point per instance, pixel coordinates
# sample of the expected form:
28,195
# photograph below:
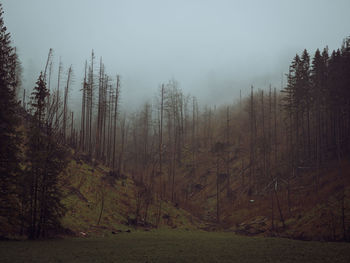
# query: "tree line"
32,153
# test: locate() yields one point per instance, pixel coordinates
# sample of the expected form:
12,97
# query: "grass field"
173,246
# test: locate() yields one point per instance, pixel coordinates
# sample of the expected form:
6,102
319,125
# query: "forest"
272,163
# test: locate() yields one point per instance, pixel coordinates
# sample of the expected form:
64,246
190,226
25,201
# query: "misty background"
212,48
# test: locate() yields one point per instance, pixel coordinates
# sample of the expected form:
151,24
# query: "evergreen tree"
305,104
9,137
46,160
291,106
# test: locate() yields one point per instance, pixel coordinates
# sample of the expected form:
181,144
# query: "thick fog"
212,48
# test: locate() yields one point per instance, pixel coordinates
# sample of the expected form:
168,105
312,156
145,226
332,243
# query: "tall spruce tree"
46,160
9,137
306,103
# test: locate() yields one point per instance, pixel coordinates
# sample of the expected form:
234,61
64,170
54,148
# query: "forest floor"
173,246
314,216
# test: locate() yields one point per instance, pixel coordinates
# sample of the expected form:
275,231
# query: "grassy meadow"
173,246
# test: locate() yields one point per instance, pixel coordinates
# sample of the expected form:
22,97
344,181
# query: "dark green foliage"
317,101
29,199
9,137
46,159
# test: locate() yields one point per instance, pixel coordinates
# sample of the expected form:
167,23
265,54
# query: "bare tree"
65,104
115,123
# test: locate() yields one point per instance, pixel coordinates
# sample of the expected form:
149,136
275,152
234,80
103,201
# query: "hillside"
98,203
310,216
291,207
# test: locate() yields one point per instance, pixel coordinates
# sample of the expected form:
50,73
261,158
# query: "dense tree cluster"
32,155
46,159
9,136
317,102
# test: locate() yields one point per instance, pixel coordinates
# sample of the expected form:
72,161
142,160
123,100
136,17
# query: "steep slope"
291,206
99,203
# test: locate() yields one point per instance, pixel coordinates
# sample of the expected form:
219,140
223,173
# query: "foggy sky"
212,48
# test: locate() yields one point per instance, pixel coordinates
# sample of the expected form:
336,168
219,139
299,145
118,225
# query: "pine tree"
307,100
46,160
318,73
9,137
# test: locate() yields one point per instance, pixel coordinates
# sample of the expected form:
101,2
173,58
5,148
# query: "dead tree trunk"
58,93
72,130
65,105
83,106
252,142
115,122
161,142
